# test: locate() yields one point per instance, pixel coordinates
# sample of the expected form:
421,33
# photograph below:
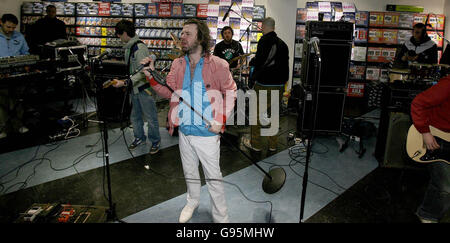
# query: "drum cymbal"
239,57
442,65
420,65
398,70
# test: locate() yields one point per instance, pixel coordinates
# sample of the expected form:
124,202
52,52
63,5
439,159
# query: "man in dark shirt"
271,73
47,29
228,48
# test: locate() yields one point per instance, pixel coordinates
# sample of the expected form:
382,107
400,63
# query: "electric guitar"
417,151
109,83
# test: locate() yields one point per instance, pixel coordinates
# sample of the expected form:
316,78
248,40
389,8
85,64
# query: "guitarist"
143,104
432,107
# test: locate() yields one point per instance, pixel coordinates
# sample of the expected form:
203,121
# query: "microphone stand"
274,179
313,111
247,31
111,211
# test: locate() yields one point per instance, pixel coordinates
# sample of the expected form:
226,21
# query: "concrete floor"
341,188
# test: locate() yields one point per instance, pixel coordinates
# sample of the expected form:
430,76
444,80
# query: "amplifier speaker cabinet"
329,30
329,115
390,149
110,102
335,64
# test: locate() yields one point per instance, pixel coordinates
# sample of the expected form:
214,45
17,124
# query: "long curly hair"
203,35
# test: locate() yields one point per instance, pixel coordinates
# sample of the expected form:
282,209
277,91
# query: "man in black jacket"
419,48
46,29
271,72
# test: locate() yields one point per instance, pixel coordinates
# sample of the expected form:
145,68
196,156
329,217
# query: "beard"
191,49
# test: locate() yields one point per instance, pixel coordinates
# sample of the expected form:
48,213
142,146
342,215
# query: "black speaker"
335,64
113,105
329,115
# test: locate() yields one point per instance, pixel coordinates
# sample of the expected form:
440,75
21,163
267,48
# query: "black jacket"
276,70
426,49
46,30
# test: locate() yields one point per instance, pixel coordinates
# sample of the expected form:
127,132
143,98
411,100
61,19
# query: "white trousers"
206,150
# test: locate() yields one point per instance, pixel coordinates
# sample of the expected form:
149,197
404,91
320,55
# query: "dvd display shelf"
300,33
377,41
93,23
259,13
95,26
160,25
98,33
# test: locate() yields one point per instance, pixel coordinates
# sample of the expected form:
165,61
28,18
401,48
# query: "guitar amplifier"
111,68
113,102
329,30
390,150
67,55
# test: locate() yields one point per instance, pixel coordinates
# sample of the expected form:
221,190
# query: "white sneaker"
3,135
426,221
186,214
23,129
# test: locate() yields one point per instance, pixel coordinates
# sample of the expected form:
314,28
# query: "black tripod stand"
313,111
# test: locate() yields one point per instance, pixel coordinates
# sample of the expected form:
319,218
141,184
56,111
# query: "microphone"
139,69
315,43
228,12
105,53
158,78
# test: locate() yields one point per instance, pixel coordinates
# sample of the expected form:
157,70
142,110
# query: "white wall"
11,6
447,21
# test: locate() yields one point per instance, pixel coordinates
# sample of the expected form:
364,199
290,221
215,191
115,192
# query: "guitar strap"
133,49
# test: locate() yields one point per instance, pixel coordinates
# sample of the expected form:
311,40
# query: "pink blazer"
219,84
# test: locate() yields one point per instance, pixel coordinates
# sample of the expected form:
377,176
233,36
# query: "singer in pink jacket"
205,83
218,80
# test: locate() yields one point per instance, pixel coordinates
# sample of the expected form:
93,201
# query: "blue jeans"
437,197
144,107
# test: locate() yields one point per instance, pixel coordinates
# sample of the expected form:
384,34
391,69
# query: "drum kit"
419,72
240,73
